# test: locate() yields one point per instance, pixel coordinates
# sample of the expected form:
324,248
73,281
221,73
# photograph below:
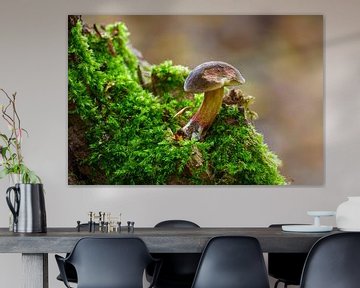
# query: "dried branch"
11,155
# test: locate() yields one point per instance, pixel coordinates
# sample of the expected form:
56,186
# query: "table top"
158,240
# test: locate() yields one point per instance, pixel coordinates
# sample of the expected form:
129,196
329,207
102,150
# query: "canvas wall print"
195,100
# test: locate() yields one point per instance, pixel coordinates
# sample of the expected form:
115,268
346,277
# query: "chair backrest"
110,262
287,267
178,269
232,262
333,262
176,224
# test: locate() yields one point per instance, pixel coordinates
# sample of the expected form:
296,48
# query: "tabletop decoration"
25,197
348,214
315,227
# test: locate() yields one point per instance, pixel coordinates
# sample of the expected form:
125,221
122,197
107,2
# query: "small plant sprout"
12,161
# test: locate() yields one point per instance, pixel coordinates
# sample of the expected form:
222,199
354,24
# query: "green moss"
131,127
168,78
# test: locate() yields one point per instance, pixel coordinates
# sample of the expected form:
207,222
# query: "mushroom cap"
211,76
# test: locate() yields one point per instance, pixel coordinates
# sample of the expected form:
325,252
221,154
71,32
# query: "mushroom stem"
201,121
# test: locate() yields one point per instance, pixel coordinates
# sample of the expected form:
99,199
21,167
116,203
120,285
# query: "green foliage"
131,128
237,154
11,158
168,78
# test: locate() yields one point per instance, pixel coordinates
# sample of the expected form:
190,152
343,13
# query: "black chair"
178,269
176,224
69,269
108,263
333,262
286,267
232,262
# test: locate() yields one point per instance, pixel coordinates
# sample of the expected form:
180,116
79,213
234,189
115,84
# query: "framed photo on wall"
195,100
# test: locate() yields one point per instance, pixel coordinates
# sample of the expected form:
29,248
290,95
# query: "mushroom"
211,78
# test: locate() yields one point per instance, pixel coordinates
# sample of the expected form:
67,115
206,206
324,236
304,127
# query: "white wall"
33,62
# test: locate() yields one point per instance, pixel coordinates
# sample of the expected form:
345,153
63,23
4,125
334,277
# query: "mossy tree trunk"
124,114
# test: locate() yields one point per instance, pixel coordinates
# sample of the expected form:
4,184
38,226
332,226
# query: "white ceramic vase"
14,179
348,214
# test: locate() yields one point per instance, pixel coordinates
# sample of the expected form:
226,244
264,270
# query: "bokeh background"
281,58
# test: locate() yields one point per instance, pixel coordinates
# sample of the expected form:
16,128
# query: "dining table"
35,247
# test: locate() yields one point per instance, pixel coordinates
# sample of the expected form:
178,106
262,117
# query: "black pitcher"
28,207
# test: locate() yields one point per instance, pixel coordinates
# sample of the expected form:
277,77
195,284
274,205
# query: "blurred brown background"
281,58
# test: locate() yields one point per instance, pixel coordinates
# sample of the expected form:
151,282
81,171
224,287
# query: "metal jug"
28,208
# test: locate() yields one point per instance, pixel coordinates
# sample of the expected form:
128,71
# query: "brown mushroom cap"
211,76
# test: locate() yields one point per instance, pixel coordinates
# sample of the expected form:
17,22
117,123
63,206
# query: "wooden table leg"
35,270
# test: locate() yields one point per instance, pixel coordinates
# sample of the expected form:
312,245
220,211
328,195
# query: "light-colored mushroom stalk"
205,116
210,78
